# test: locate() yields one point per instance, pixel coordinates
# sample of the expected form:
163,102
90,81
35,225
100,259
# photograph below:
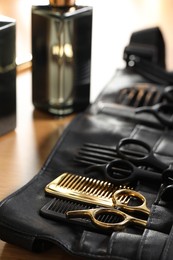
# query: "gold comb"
84,189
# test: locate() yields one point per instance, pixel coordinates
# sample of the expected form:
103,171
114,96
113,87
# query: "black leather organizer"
35,220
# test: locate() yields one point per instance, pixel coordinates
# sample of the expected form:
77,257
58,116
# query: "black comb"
56,210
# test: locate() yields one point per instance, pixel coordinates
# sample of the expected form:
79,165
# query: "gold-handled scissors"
122,197
115,218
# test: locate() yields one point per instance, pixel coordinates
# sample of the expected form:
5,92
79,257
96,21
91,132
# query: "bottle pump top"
57,3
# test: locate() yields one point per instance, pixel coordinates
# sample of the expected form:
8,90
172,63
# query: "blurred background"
113,23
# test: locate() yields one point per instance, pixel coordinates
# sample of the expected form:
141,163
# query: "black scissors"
121,171
167,94
119,219
162,111
166,189
144,158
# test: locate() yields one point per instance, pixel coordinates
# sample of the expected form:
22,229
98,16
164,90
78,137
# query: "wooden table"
22,153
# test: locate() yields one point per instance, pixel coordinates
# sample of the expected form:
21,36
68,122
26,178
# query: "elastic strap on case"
145,55
150,71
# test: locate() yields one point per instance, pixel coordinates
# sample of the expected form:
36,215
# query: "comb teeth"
62,206
86,185
83,189
57,208
140,95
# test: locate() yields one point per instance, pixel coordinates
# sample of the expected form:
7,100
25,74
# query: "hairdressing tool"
166,189
122,218
122,197
162,111
144,94
92,153
94,214
167,94
148,158
124,172
57,208
84,189
141,94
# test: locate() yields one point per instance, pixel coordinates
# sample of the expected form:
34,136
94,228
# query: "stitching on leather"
135,131
158,143
113,237
84,236
161,152
164,134
139,128
111,243
152,213
142,243
167,246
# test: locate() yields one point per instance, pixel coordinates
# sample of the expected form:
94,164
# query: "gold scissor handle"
126,194
121,219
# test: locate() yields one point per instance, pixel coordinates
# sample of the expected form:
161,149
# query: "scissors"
119,219
121,171
166,189
167,94
162,111
146,157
